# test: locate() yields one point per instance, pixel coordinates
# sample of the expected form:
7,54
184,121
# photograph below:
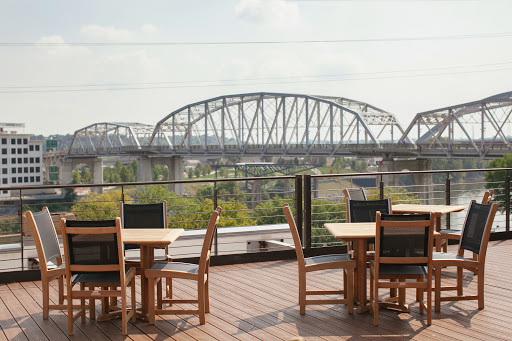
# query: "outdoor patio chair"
475,236
324,262
85,224
49,255
195,272
94,258
403,259
354,193
454,234
365,211
140,216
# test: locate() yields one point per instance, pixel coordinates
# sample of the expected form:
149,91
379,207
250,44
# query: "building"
21,159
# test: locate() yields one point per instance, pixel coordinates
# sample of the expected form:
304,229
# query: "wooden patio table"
358,234
436,210
149,239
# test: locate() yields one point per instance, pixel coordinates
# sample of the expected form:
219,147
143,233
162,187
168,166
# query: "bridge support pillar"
95,166
422,183
173,163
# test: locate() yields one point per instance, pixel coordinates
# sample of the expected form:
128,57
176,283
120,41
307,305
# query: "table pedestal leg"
147,259
360,285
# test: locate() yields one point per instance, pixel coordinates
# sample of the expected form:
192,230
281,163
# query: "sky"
65,65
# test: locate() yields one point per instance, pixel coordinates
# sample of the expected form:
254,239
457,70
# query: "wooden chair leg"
201,301
105,306
437,288
207,295
134,301
151,299
124,320
459,281
480,288
70,313
376,303
159,292
82,304
61,289
429,306
302,294
46,299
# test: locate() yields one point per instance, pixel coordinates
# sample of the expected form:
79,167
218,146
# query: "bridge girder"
274,121
110,138
484,125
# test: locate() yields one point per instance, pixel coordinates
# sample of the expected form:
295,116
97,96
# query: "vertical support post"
122,194
298,206
20,216
381,188
447,197
215,239
307,212
507,201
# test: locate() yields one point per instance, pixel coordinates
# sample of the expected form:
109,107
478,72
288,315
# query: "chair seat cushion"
98,277
440,256
449,231
327,259
175,267
136,259
402,269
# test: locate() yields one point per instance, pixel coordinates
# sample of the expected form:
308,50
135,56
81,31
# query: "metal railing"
249,204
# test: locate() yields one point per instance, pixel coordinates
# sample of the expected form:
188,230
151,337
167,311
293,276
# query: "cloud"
148,29
60,48
269,13
108,33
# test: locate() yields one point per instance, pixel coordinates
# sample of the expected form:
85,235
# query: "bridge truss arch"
475,129
274,124
110,138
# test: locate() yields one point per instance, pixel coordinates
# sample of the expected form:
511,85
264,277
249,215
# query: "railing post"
122,193
306,243
20,216
381,188
507,201
215,239
298,206
447,195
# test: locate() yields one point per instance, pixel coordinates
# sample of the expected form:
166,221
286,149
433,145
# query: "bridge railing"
252,219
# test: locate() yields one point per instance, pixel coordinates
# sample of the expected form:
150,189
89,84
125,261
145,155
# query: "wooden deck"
259,302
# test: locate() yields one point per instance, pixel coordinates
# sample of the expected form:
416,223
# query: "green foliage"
9,225
190,173
153,194
120,173
496,180
398,195
160,173
98,206
76,176
197,171
234,214
271,212
206,170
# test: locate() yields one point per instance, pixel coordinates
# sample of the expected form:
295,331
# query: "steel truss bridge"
277,124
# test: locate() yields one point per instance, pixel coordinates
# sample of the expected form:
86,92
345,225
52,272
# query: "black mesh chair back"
47,235
140,216
355,194
93,249
365,211
403,240
474,227
90,223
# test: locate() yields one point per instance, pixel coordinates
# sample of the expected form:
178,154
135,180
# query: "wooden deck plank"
259,301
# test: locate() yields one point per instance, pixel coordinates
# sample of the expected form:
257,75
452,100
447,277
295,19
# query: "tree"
190,173
271,212
134,166
98,206
85,175
197,172
126,174
206,170
497,180
76,176
322,161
